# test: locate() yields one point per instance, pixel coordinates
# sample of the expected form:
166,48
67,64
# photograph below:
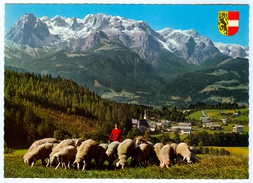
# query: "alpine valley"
127,61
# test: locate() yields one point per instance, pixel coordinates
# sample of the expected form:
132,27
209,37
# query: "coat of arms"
228,22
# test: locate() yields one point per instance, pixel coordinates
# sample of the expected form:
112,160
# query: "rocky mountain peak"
28,30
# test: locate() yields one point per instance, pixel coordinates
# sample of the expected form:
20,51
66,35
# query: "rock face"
189,45
72,34
31,31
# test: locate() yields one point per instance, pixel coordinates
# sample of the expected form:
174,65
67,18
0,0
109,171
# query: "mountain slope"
227,82
102,69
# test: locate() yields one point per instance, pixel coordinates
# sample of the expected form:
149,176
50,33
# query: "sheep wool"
183,150
57,148
41,152
65,156
165,156
125,150
86,152
157,148
111,152
36,143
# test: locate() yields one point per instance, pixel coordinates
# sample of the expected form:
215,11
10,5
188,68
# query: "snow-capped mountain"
82,34
72,34
189,45
233,50
29,30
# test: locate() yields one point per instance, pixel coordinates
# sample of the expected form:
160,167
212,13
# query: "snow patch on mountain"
189,44
233,50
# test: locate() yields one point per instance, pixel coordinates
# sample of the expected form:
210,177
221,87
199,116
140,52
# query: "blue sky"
202,18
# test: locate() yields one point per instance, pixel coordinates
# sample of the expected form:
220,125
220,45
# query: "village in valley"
164,126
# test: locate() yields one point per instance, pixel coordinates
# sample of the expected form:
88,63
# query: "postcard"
109,91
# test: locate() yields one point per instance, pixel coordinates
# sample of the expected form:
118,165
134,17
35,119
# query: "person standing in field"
116,134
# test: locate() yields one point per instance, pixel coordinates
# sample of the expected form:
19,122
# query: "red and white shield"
228,22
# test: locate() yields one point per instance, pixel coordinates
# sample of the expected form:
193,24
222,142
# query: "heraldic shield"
228,22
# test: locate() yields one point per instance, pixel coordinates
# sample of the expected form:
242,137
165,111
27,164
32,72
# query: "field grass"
211,167
233,150
214,113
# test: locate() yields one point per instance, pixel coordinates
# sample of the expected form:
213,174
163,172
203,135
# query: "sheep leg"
34,160
64,164
57,166
84,164
32,164
48,163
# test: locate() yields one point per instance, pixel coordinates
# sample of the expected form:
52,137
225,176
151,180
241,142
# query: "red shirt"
116,135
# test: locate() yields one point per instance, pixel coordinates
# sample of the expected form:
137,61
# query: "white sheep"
157,148
36,143
85,153
165,155
65,156
64,143
125,150
41,152
142,155
101,155
182,149
111,152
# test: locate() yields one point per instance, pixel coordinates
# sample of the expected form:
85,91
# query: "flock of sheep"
84,154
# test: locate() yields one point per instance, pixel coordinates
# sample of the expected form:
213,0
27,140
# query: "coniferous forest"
42,106
37,106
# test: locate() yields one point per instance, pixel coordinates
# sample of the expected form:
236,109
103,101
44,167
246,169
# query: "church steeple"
145,115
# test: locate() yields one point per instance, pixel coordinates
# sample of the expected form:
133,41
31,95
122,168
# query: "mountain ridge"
74,34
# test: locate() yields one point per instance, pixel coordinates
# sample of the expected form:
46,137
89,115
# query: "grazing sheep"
41,152
64,143
36,143
65,155
157,148
165,155
86,152
112,153
182,149
142,155
125,150
101,155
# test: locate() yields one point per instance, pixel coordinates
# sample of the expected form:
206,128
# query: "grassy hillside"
213,167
